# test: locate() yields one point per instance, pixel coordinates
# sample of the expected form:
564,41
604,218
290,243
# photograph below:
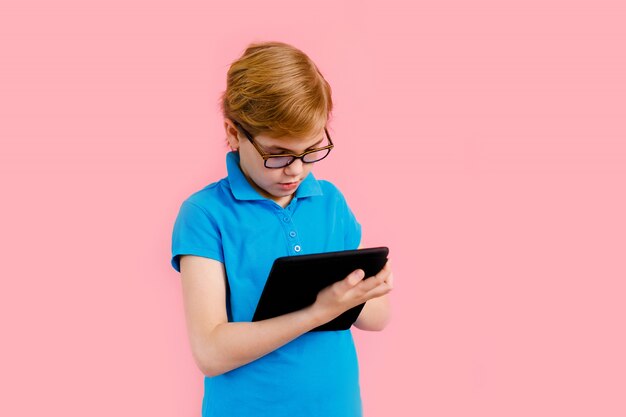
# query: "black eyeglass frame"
294,156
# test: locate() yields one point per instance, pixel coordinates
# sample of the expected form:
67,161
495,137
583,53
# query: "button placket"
290,231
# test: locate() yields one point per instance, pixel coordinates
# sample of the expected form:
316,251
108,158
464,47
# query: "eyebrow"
278,148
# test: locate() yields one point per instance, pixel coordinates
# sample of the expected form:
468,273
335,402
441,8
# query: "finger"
378,291
384,273
385,276
370,283
390,280
354,278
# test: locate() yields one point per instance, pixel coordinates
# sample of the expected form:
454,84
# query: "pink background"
483,141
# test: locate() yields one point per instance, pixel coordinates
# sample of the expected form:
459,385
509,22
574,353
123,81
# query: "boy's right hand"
350,292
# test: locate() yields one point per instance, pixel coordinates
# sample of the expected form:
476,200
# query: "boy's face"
278,184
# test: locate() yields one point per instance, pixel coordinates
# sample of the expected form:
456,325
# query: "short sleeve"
352,228
195,233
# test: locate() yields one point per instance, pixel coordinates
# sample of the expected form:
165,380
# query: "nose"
295,168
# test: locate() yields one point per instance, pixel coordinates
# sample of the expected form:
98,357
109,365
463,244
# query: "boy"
227,235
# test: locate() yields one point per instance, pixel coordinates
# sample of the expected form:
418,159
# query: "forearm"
375,314
230,345
235,344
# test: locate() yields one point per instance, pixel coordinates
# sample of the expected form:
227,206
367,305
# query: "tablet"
295,281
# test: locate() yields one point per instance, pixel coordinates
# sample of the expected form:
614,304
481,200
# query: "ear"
232,134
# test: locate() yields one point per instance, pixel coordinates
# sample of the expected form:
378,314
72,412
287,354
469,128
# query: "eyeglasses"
284,159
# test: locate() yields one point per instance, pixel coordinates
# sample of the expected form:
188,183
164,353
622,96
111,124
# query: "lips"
288,186
289,183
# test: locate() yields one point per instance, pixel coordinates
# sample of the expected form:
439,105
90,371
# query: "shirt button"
292,234
286,219
297,248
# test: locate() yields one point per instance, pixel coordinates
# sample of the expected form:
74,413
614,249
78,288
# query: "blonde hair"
276,89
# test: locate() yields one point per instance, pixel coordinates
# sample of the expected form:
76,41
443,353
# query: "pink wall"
483,141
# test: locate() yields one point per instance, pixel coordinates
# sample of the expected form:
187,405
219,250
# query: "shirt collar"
242,190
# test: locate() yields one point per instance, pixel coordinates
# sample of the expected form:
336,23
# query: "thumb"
355,277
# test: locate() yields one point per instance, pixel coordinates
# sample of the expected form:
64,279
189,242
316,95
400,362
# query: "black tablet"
295,281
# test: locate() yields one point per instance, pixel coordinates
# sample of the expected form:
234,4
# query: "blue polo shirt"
317,373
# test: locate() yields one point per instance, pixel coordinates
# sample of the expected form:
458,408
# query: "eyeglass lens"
282,161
